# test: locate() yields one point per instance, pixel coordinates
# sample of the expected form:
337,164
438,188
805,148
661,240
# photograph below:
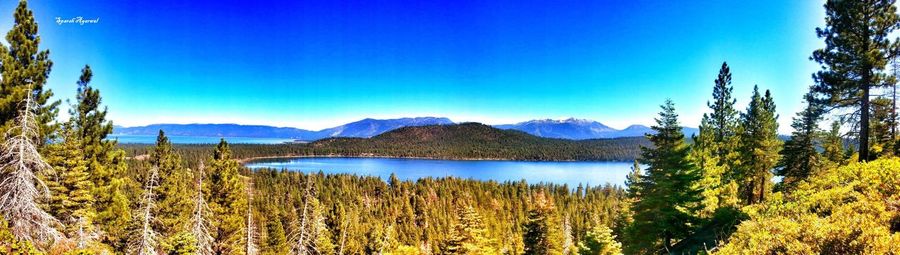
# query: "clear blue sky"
318,64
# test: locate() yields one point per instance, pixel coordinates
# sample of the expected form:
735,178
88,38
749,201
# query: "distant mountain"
576,129
362,128
633,130
573,129
373,127
579,129
217,130
477,141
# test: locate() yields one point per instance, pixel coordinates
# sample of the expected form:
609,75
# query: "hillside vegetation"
478,141
459,141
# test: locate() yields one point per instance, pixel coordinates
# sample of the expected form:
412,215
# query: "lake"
151,139
571,173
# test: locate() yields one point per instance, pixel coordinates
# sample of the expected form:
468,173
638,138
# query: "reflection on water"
571,173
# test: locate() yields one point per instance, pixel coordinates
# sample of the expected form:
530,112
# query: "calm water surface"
571,173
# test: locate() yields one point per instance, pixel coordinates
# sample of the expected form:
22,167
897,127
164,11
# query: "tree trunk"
864,122
762,188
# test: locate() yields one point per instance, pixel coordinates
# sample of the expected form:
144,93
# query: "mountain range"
579,129
574,129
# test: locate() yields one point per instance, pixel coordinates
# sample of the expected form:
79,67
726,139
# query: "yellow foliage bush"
853,209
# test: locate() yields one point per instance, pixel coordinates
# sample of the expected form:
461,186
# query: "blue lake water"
571,173
151,139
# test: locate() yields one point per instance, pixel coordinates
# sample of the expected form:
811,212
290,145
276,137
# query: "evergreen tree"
24,70
833,145
469,235
543,230
799,157
113,204
276,240
173,193
633,179
853,61
759,148
105,163
71,200
664,211
715,147
599,241
722,122
881,142
228,202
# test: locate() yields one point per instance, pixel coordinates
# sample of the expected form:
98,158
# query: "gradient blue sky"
316,64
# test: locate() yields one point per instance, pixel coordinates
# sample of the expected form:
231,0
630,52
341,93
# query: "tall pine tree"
173,194
715,147
853,61
71,200
543,230
799,157
759,147
25,69
228,202
664,213
104,163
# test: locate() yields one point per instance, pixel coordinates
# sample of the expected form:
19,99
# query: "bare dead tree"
568,243
85,236
20,187
145,244
199,224
251,227
345,224
302,243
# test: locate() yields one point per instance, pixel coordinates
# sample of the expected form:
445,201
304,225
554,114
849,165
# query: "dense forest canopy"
66,189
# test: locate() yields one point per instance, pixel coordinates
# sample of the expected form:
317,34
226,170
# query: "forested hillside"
478,141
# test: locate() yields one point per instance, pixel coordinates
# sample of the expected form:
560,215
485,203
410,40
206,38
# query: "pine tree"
276,240
799,157
105,164
853,61
543,230
833,145
722,122
715,148
759,148
228,201
881,142
24,71
469,235
71,187
599,241
174,194
632,181
113,204
665,210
